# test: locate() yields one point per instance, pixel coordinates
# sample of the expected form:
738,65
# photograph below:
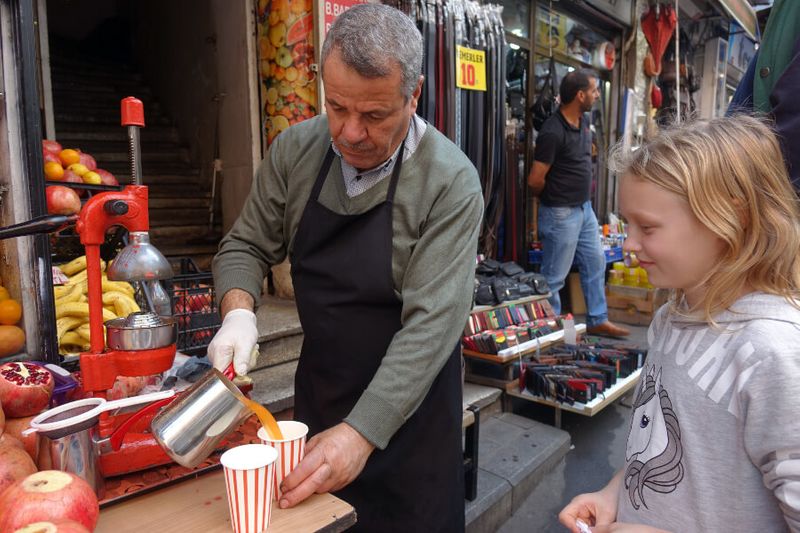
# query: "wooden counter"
200,504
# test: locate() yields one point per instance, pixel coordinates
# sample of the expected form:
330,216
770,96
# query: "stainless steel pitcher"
190,428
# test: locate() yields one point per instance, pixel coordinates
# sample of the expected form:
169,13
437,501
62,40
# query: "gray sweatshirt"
714,440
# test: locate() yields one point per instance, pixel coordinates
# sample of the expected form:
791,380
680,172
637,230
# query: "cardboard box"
576,298
633,305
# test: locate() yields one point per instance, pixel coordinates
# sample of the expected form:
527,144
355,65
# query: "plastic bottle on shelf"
570,335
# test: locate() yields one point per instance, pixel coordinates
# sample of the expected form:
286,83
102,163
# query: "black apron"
342,273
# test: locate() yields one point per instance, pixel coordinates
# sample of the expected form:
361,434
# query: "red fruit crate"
195,307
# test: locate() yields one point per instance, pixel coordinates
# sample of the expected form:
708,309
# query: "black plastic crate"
195,307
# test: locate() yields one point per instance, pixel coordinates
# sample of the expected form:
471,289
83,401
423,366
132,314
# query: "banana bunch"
72,305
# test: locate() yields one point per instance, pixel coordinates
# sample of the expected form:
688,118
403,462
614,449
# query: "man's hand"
537,177
332,460
235,341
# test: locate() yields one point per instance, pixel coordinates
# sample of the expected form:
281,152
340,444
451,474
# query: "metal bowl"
141,331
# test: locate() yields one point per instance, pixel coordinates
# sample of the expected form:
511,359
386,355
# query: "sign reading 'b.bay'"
470,68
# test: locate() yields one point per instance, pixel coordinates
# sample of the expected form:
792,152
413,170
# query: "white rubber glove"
235,341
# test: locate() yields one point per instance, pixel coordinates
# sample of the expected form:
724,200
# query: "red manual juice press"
141,344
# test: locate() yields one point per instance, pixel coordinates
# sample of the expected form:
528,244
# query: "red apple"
62,200
88,161
48,495
51,146
107,177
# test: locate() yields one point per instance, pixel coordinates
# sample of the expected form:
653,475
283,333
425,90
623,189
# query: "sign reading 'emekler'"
470,68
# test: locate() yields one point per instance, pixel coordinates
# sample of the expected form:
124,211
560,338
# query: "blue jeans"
571,234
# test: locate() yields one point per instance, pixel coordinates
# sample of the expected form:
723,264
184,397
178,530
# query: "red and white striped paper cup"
249,474
290,449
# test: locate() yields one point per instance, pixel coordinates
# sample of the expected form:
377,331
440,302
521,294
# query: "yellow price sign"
470,68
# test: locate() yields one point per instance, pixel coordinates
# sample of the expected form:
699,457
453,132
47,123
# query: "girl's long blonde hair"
731,172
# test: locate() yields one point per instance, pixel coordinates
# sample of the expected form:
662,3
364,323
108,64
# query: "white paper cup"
249,474
290,449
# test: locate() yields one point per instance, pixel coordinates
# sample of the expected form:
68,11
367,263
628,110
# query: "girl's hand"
594,508
619,527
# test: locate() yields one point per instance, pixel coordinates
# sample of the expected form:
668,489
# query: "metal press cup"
249,473
291,449
192,427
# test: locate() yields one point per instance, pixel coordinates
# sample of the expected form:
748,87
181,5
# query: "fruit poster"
285,56
332,9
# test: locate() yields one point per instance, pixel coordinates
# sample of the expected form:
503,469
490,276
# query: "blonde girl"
714,437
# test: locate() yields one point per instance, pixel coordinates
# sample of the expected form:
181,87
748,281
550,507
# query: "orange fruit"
53,170
69,157
4,294
10,312
12,340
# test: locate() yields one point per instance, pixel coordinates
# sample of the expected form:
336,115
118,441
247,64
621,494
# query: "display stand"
505,359
610,395
502,362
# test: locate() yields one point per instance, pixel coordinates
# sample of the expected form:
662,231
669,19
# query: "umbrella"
658,25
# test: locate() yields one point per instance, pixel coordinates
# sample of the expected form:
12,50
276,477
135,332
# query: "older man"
379,214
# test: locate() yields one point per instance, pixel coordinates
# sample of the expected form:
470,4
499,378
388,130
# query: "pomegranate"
43,462
8,440
62,200
25,389
50,157
51,146
14,465
56,526
48,495
15,427
88,161
2,420
106,177
72,177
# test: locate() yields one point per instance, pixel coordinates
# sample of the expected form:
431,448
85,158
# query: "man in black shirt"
562,177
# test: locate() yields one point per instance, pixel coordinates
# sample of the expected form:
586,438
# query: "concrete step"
99,75
280,338
188,233
121,87
515,454
93,102
273,387
178,216
178,203
151,170
120,148
169,191
487,399
280,335
104,118
175,155
77,131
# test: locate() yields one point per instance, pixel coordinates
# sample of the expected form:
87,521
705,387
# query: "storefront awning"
743,13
